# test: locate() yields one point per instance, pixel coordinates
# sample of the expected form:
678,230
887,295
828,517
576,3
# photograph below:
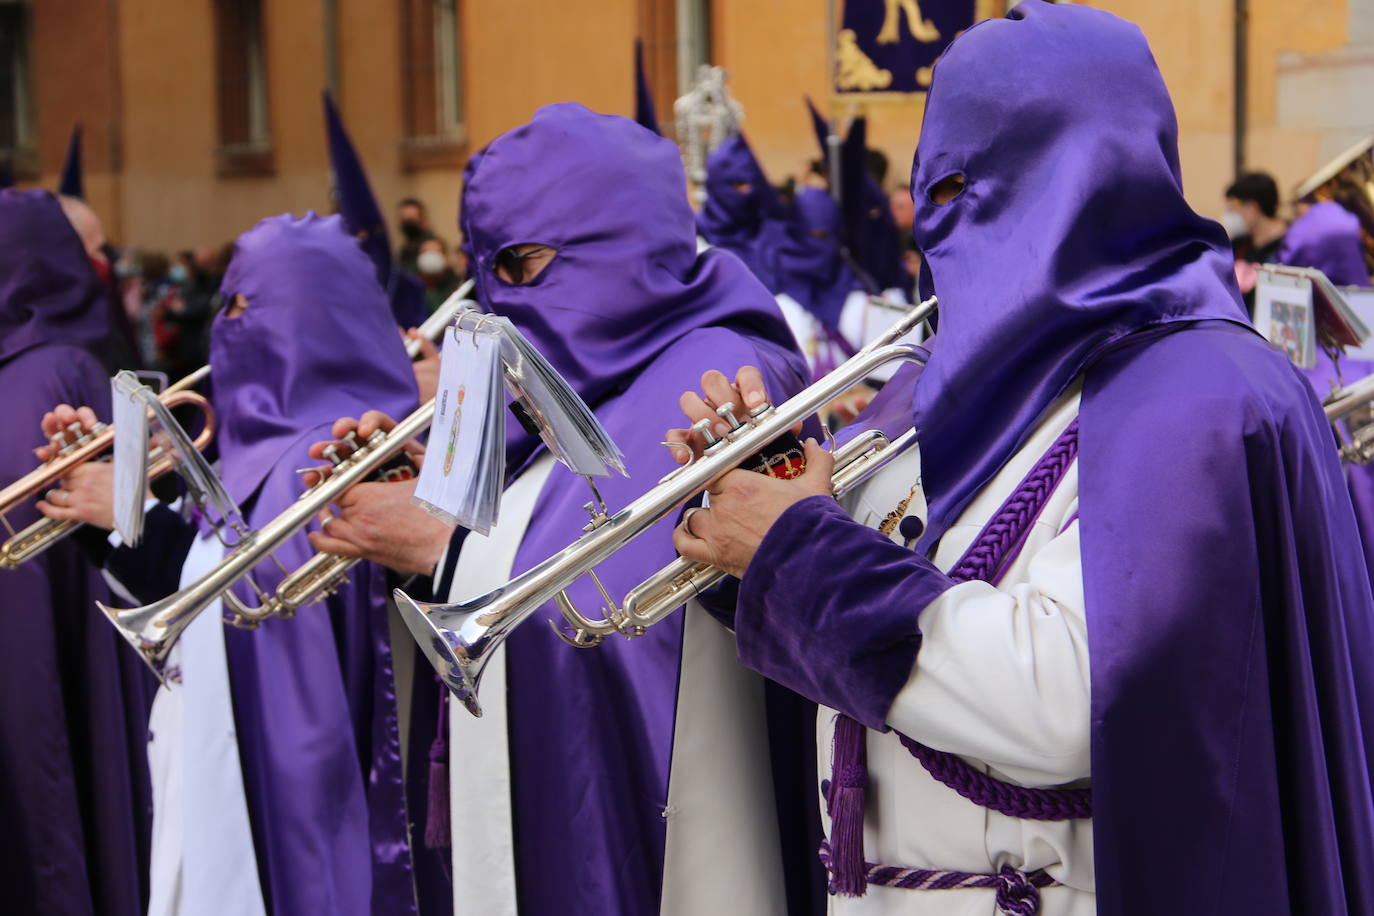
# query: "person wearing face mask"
1252,219
436,272
414,224
1108,650
73,701
637,777
276,751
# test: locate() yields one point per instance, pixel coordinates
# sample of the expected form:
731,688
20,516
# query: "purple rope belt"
987,559
1018,892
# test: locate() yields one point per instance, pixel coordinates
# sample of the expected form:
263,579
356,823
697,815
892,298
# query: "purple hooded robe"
73,705
628,312
1327,237
1230,621
751,223
314,699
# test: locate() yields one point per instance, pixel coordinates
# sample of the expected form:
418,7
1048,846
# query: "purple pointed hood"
810,265
645,115
1327,237
358,207
747,224
1071,232
49,292
71,184
290,363
612,299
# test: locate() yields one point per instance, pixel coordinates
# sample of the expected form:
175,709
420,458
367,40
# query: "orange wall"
140,75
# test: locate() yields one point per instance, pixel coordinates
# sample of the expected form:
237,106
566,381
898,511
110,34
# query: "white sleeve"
802,326
1002,673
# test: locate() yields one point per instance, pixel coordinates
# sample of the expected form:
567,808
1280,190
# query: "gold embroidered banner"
890,46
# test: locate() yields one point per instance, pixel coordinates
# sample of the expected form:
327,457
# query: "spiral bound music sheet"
463,474
565,422
465,465
143,422
130,417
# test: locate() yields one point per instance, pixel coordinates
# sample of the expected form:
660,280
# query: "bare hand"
371,421
716,391
744,505
378,522
57,428
85,495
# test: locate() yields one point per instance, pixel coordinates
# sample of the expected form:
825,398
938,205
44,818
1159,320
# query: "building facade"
202,116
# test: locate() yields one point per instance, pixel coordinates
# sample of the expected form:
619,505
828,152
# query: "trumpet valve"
727,413
703,428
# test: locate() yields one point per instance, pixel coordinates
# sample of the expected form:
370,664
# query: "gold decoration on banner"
922,29
852,63
856,71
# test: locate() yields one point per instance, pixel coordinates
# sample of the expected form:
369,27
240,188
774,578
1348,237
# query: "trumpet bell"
151,637
454,642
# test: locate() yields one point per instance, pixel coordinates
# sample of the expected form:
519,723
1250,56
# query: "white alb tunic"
1001,679
861,321
722,850
202,858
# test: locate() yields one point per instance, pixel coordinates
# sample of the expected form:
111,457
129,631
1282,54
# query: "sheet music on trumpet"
1299,309
463,475
145,430
463,472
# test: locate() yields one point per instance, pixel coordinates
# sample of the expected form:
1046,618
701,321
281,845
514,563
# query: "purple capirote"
742,213
73,702
1327,237
629,313
314,697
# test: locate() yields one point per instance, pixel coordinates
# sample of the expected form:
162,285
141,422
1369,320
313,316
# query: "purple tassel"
848,777
438,834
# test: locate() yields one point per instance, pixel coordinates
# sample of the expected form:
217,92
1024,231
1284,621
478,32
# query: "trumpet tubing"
154,628
1354,439
458,639
682,580
43,533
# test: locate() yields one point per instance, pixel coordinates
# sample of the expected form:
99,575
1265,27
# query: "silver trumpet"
1351,412
154,628
459,639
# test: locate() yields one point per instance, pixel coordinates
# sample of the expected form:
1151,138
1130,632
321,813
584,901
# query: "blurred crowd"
162,303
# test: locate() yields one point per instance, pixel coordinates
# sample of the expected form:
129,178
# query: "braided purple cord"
987,556
1003,797
1001,538
1018,892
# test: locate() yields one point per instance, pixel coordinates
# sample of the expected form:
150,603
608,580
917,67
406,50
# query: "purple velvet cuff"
829,609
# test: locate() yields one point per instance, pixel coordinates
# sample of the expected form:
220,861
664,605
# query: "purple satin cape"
1081,210
1231,630
627,311
750,225
1327,237
314,697
73,703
